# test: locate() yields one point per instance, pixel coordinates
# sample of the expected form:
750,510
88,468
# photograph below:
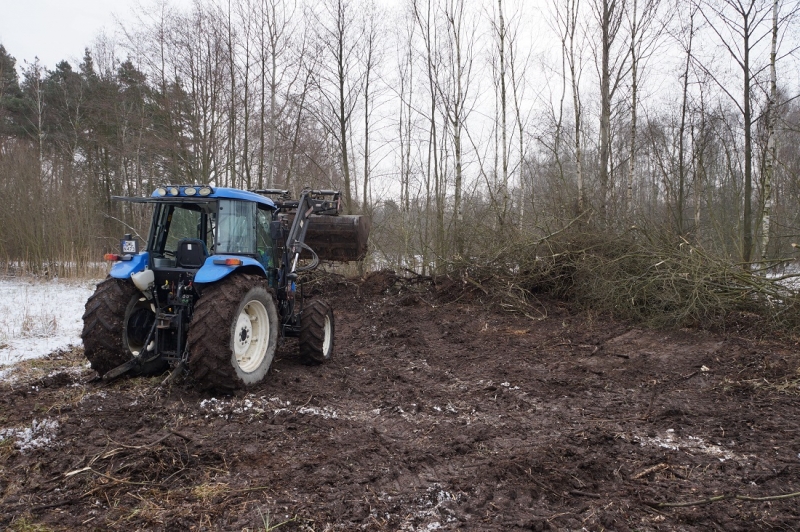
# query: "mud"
438,411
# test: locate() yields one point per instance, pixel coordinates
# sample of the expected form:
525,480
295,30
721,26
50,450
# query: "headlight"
190,191
161,191
205,191
173,191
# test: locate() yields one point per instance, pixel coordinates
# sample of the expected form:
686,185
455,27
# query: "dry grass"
209,490
72,265
26,525
70,361
784,386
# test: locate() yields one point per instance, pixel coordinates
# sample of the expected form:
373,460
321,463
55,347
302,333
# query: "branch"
722,497
125,224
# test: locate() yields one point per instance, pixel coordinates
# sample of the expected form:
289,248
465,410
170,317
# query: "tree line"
454,124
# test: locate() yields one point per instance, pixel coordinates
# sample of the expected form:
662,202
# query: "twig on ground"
655,469
181,435
723,497
580,493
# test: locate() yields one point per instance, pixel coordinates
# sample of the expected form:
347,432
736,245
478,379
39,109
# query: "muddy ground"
438,412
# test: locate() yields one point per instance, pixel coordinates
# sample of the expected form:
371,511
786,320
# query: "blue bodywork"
125,268
211,272
208,272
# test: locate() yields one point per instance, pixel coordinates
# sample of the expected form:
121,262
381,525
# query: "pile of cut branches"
661,281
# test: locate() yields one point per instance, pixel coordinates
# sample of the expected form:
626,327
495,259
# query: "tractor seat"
191,253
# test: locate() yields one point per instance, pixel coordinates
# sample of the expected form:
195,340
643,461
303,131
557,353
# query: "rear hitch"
135,362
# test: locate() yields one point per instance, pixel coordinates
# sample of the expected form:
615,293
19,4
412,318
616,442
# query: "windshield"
176,222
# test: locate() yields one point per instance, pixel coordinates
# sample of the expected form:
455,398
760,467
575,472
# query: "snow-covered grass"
38,317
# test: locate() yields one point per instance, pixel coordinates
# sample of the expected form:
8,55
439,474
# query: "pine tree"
11,98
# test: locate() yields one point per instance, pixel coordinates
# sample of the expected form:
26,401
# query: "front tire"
233,334
316,333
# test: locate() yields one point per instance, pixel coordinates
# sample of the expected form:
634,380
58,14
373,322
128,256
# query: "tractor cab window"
179,222
236,232
185,224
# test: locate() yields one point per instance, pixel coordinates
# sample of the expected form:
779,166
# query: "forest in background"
460,127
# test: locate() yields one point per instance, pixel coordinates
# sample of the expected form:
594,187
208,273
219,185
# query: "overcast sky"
58,29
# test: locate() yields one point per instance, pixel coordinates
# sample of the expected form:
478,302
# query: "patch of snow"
252,405
39,317
39,434
432,508
326,412
690,444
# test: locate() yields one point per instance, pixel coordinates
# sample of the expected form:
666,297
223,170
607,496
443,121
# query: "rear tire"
233,334
115,324
316,333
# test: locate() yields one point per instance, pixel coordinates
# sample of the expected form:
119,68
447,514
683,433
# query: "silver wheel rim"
326,341
251,336
141,306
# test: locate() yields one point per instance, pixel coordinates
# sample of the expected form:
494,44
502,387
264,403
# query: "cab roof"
171,193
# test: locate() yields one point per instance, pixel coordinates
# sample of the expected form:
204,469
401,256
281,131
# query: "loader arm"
320,202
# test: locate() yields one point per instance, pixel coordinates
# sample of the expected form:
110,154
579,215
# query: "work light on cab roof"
192,190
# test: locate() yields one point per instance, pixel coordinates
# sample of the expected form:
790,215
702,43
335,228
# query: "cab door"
265,246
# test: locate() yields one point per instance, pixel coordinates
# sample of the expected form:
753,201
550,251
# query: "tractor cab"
204,229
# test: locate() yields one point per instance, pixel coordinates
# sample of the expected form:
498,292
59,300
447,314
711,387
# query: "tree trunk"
771,155
747,215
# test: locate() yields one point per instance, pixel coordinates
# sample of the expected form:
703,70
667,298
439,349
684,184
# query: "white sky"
54,29
59,29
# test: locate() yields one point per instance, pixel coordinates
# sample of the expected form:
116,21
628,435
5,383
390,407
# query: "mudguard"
125,268
210,272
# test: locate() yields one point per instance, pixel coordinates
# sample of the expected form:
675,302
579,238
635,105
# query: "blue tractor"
218,283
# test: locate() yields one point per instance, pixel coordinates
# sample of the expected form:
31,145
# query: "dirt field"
438,412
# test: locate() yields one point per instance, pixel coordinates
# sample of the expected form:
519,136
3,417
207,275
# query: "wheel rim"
138,326
251,336
327,336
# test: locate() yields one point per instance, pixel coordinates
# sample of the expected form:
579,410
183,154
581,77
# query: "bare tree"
738,26
771,154
33,81
687,44
306,69
279,69
373,57
500,37
424,17
644,32
518,66
340,80
405,121
199,50
566,23
613,65
453,86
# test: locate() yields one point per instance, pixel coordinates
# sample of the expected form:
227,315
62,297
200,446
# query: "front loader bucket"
339,238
